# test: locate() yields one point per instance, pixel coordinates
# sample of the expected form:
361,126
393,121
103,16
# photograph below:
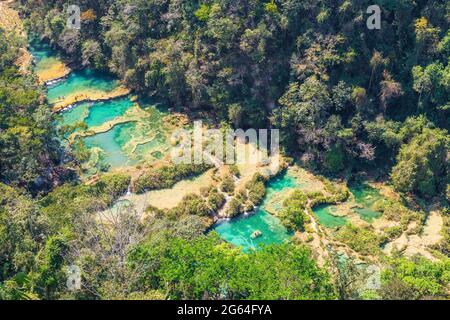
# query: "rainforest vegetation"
345,98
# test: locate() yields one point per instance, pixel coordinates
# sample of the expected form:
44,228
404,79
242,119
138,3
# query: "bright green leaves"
420,164
203,12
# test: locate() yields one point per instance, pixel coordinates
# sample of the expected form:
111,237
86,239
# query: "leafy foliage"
420,164
166,176
415,279
211,270
362,240
345,98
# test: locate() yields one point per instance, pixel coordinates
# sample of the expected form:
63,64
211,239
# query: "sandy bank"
89,96
55,70
419,244
169,198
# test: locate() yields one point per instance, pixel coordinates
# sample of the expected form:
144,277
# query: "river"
136,132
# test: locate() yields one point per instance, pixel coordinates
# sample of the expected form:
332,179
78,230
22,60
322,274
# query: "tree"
390,89
29,150
294,275
304,109
235,114
92,55
414,278
203,12
433,86
426,36
209,269
20,232
419,166
334,159
100,249
48,277
292,216
376,62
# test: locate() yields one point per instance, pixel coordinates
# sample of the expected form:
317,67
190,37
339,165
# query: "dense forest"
343,96
346,99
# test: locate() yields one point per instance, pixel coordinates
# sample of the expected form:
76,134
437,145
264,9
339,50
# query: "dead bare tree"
104,239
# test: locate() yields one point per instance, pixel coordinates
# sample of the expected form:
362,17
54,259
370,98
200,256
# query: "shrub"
191,204
215,199
227,185
298,199
391,233
234,207
395,211
205,191
444,245
166,176
256,193
292,216
420,166
339,192
112,186
256,188
234,170
362,240
317,198
250,196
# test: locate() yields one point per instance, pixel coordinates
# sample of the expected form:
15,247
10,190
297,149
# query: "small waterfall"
129,189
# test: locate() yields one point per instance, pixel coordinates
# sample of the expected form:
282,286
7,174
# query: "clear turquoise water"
323,213
40,51
326,218
77,81
102,112
112,143
238,231
282,182
149,147
365,197
75,115
43,54
80,81
95,114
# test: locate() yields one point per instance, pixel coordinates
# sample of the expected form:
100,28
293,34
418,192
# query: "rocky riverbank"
68,102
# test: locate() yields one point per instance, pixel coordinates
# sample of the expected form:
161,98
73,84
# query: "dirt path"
319,243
